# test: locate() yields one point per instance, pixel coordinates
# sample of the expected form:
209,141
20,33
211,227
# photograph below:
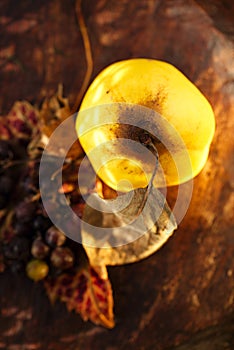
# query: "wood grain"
183,294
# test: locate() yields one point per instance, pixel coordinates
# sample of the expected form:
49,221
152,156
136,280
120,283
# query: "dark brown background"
183,294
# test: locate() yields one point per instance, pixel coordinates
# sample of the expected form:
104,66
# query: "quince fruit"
140,94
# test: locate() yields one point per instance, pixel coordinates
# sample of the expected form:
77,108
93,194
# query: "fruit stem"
153,149
149,144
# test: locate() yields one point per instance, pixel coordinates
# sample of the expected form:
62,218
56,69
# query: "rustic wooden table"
182,297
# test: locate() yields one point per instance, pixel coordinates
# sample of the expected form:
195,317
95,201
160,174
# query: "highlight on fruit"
137,95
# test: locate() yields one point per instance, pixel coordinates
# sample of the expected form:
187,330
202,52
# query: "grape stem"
12,163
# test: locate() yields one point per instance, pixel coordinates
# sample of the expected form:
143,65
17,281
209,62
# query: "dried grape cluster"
28,239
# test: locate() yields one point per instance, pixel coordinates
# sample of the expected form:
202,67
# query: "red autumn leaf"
87,292
23,120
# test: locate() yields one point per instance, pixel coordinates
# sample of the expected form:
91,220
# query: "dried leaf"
22,120
53,112
87,292
129,234
4,129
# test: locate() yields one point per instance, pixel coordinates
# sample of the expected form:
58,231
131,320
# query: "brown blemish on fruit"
156,101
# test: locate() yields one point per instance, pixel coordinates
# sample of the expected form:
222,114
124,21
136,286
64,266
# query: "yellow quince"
140,94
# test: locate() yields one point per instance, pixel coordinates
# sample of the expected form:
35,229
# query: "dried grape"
39,249
62,258
54,237
41,223
17,248
25,211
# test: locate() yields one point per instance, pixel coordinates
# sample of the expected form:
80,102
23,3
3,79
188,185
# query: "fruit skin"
163,88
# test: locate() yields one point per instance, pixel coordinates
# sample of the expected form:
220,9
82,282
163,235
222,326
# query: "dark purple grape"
17,266
6,185
17,249
62,258
54,237
39,249
28,186
41,223
22,228
25,211
30,178
5,150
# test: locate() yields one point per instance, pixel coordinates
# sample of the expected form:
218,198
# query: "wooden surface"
182,297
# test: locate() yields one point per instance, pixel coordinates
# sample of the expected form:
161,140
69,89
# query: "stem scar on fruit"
164,90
